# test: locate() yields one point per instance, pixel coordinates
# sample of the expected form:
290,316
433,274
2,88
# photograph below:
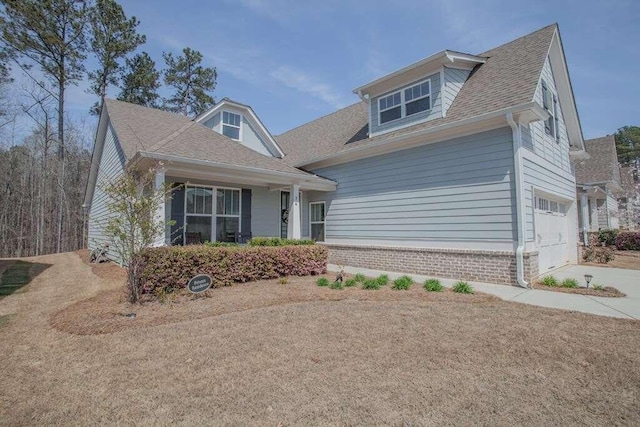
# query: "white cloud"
301,81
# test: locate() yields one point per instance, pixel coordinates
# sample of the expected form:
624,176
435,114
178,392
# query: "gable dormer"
240,123
418,93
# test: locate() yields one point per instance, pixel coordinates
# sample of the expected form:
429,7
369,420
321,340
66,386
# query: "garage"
552,232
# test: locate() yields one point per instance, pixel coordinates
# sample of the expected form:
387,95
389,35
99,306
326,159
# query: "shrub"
569,283
383,280
598,254
322,281
350,282
608,237
402,283
277,241
336,285
628,241
174,266
549,281
598,287
360,278
220,244
433,285
283,281
371,284
463,288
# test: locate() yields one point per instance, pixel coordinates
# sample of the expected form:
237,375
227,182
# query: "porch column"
293,224
159,215
584,214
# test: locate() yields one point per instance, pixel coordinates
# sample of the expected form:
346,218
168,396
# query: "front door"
285,198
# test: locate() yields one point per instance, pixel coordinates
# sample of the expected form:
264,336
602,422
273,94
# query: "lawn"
289,354
623,259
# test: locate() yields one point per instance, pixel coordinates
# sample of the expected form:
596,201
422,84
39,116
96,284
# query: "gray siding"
111,167
435,112
251,139
454,78
538,141
456,190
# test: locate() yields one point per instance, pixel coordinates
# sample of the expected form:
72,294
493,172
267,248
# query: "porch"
226,203
597,209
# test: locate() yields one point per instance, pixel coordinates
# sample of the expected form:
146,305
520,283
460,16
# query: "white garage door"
552,231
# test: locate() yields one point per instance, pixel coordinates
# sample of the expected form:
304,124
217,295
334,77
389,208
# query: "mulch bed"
608,291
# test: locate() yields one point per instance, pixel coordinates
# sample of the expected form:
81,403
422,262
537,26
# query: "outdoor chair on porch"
240,238
194,238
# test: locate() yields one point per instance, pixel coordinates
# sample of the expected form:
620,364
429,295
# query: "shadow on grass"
18,274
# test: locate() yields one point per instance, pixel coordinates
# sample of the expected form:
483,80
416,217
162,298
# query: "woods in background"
55,44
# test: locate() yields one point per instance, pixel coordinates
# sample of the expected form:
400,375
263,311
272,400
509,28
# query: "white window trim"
214,210
223,124
403,102
324,223
552,109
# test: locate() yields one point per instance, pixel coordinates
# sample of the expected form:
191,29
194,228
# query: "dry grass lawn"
294,354
623,259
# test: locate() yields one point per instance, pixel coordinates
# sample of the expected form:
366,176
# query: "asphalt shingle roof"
508,78
148,129
629,184
603,165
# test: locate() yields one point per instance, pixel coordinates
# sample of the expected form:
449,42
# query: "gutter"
520,202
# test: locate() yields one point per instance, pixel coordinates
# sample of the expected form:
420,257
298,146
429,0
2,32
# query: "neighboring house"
629,200
456,166
597,184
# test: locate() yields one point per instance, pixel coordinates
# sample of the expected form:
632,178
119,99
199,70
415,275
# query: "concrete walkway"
627,281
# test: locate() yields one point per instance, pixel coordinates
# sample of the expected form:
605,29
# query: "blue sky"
294,61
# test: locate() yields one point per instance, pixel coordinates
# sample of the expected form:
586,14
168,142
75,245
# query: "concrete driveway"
627,281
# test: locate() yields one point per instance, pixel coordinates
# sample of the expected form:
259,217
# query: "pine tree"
191,82
113,36
140,81
628,145
51,34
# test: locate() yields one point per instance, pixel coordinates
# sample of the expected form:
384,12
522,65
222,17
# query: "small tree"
133,201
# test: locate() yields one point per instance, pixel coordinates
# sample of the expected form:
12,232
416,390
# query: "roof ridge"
318,118
555,24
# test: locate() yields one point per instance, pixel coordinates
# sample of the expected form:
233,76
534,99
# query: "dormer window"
231,125
406,102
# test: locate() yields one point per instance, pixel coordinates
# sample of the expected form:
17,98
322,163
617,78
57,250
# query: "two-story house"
456,166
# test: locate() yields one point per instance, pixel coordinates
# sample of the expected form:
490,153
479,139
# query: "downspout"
520,202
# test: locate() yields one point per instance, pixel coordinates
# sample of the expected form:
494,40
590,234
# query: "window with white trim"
548,205
231,125
317,214
199,214
405,102
227,214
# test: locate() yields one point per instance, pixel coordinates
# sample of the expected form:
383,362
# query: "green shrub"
549,281
463,288
402,283
383,280
598,287
360,278
608,237
350,282
433,285
336,285
283,281
277,241
370,284
322,281
174,266
569,283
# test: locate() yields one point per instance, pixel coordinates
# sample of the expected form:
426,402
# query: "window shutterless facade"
231,124
550,104
199,214
405,102
317,212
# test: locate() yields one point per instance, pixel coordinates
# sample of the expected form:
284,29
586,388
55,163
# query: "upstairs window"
231,125
550,104
406,102
390,107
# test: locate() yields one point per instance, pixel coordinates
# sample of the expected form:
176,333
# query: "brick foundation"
463,264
